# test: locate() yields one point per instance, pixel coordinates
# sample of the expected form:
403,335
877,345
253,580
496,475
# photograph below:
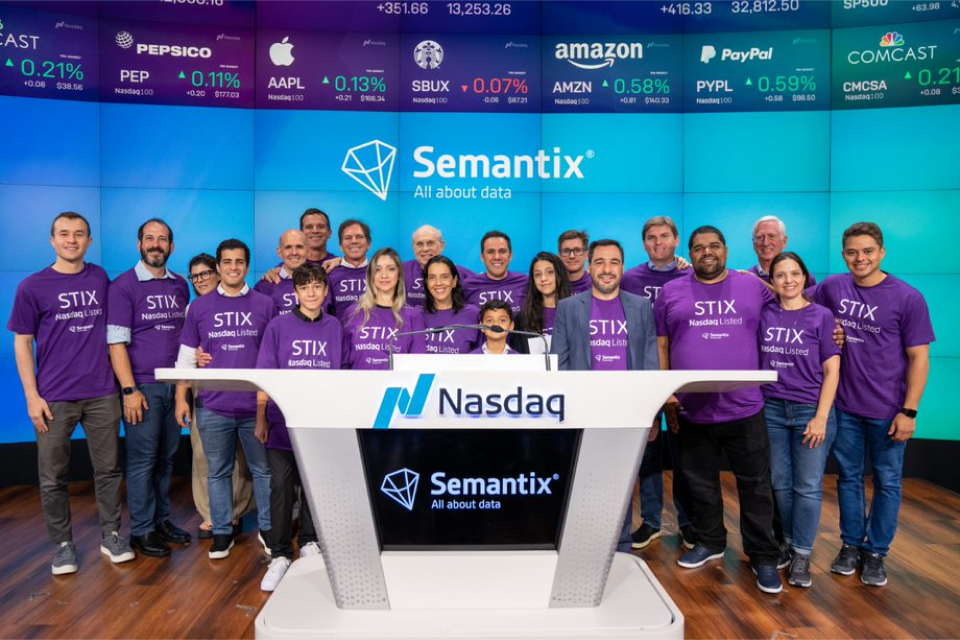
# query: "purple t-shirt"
452,340
755,270
511,289
795,344
647,283
293,342
230,330
549,318
282,294
347,285
368,343
581,285
153,312
608,335
714,326
881,322
66,314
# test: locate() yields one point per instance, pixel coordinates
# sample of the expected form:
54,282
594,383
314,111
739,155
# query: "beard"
154,261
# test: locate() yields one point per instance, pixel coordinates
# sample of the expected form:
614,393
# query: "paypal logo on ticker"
459,404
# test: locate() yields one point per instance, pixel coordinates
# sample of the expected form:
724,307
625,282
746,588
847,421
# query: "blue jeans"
858,437
151,446
651,481
219,436
796,471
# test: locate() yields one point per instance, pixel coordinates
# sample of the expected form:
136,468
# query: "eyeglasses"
201,276
566,253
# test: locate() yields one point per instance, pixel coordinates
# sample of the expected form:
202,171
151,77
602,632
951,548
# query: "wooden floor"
190,596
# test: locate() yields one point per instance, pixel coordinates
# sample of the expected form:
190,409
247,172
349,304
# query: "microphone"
530,334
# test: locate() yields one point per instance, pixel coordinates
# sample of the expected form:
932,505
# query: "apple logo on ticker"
280,53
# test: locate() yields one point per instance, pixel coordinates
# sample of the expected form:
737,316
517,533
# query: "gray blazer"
571,333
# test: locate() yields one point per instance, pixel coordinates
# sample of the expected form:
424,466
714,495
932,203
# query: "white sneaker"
310,549
275,572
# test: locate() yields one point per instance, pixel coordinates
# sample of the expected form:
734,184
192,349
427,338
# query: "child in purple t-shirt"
306,338
495,313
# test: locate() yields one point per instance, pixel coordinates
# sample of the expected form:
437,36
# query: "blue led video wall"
228,119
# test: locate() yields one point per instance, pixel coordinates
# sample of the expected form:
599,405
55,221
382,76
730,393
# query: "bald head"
292,249
427,243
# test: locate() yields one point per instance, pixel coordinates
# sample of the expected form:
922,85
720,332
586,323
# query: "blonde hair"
369,298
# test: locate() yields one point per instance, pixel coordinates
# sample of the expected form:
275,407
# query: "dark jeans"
748,452
100,418
151,446
285,487
858,437
651,482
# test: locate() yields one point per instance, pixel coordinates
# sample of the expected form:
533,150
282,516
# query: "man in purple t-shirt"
606,329
228,325
144,318
497,282
882,378
769,241
348,280
660,241
292,250
315,226
711,321
63,308
572,249
427,243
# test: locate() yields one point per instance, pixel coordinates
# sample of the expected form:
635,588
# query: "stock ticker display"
229,118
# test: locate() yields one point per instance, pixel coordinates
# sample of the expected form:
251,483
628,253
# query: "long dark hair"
457,296
790,255
531,313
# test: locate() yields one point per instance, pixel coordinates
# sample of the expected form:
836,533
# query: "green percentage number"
641,85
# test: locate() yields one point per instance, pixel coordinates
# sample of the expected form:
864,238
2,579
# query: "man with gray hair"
427,243
769,241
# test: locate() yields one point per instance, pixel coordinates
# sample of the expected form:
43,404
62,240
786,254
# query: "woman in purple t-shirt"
547,285
374,323
796,341
445,305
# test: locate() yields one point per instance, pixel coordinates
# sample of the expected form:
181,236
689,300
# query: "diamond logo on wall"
371,165
401,486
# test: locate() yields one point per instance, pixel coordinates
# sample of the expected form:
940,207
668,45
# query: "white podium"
381,576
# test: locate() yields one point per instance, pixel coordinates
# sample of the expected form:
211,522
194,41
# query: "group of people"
80,338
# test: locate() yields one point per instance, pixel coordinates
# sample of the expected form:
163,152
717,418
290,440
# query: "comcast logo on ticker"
371,165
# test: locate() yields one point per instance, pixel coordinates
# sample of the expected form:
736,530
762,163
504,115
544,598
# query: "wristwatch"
910,413
128,391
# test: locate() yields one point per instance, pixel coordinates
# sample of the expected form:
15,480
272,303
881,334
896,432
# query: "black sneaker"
874,574
222,543
697,557
799,573
643,536
687,538
785,557
846,561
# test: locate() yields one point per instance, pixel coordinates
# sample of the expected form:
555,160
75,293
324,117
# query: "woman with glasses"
446,305
546,286
374,323
203,276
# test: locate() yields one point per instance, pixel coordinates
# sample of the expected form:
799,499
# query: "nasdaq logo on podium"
457,403
401,487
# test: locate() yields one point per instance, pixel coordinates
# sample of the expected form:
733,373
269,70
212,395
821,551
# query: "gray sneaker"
799,574
65,559
117,548
874,574
846,561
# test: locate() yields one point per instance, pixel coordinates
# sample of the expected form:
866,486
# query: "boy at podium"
498,315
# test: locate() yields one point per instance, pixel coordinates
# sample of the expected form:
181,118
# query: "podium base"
634,605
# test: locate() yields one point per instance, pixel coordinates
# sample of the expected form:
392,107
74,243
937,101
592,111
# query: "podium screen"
471,489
